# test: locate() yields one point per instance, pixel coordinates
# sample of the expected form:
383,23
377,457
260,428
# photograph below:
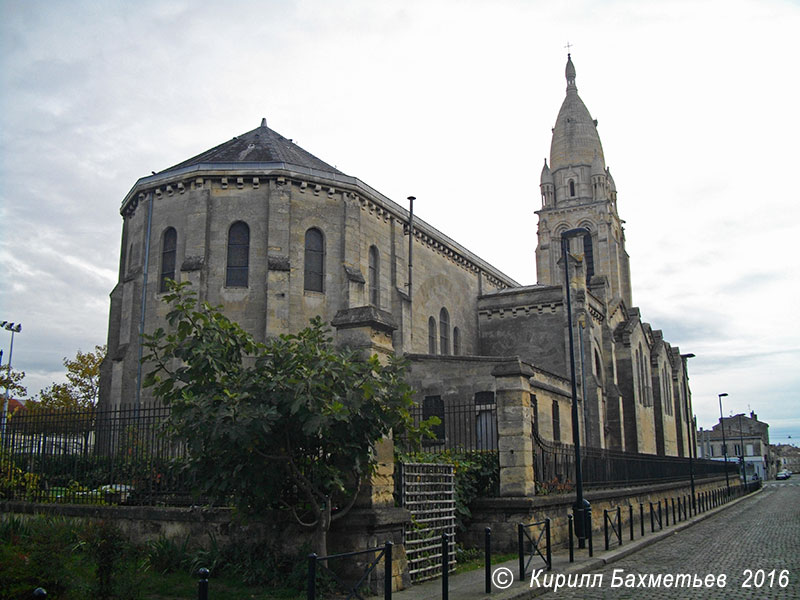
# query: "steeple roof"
261,145
575,137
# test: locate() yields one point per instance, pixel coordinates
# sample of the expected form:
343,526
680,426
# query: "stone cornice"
254,175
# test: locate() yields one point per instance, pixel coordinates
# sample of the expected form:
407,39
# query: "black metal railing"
612,520
465,426
534,543
554,462
120,455
354,588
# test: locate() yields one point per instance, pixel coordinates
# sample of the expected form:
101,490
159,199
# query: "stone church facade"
277,236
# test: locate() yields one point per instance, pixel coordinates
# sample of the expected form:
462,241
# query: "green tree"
13,381
82,387
289,425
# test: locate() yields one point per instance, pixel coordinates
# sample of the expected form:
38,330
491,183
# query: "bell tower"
578,191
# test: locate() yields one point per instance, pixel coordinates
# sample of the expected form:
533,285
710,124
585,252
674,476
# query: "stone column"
514,428
368,329
374,519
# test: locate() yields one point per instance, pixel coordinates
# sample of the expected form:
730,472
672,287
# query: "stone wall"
504,514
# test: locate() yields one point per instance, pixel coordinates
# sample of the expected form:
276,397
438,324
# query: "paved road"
761,534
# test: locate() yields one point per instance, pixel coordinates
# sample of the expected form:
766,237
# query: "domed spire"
570,73
547,176
575,139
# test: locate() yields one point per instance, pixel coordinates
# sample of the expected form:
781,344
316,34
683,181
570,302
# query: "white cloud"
449,101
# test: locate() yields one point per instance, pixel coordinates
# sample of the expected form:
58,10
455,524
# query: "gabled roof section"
261,145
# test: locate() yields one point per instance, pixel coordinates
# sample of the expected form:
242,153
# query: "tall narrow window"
431,336
444,332
374,277
169,244
556,422
238,255
571,187
314,261
456,341
432,406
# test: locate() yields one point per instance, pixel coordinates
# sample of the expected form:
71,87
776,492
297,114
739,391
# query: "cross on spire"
568,46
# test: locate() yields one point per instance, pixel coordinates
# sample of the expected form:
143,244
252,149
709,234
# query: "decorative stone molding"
354,274
192,263
277,262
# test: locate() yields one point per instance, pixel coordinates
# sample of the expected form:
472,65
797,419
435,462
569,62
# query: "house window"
238,255
556,422
456,341
431,336
314,273
169,244
433,406
444,332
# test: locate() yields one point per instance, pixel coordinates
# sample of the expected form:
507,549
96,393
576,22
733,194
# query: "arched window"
374,277
169,245
556,422
314,261
639,387
571,187
238,255
431,336
444,332
456,341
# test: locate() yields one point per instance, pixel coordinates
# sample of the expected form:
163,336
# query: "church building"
277,236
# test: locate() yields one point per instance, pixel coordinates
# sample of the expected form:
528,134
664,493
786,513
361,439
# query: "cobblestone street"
759,533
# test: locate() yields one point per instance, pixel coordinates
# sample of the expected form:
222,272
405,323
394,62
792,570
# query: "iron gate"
428,491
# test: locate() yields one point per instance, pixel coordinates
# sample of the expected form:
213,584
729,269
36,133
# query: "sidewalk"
470,585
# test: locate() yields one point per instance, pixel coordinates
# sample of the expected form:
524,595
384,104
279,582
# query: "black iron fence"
120,455
554,465
464,426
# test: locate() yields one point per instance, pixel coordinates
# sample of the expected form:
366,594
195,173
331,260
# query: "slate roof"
261,145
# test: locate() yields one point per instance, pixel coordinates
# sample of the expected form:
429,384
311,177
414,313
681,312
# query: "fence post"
673,512
311,584
630,518
547,540
571,540
487,560
588,529
387,571
605,526
652,519
521,551
619,525
660,522
641,516
202,585
445,568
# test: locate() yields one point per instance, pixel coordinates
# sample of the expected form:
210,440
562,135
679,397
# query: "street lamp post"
741,451
582,507
13,328
689,427
724,446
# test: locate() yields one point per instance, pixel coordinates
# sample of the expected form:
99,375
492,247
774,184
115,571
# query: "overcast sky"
450,101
